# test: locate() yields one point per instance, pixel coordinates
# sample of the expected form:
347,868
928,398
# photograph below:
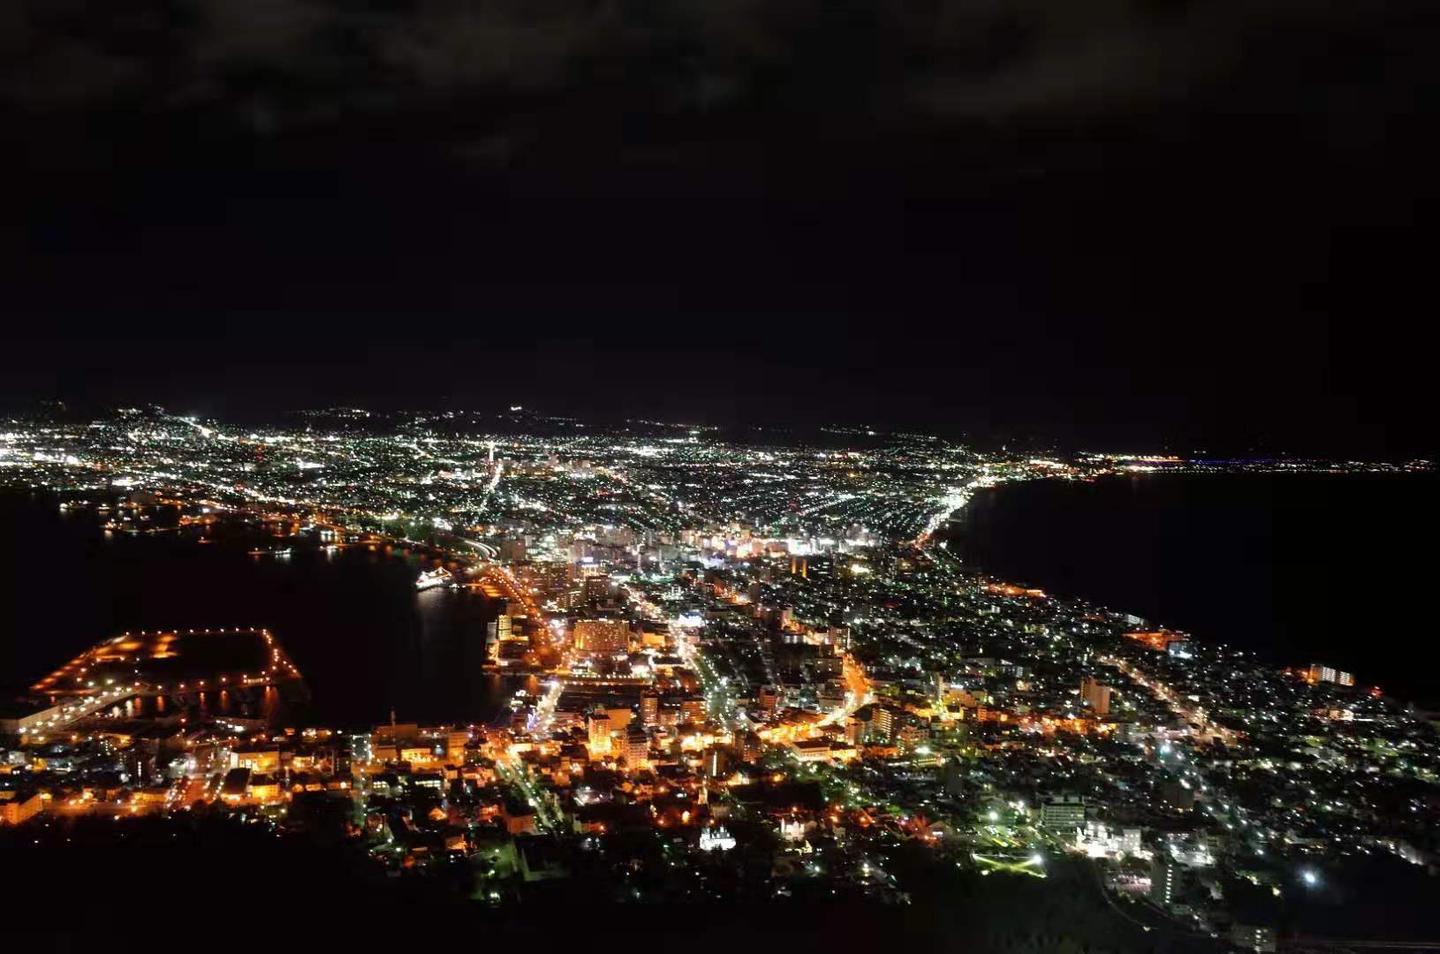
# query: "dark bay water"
1299,567
363,638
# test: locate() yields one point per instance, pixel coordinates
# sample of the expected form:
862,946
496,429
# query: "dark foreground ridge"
160,876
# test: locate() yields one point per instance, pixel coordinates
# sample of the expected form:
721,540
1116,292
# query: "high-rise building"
596,589
1063,813
22,808
607,637
692,710
637,749
911,735
455,743
599,734
882,726
1096,695
1319,672
620,717
1167,879
717,762
650,709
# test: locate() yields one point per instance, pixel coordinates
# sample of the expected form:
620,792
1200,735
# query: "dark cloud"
307,61
1107,56
1165,217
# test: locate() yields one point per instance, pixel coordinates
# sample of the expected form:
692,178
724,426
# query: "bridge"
497,581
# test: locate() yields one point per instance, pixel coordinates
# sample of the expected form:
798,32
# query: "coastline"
1287,565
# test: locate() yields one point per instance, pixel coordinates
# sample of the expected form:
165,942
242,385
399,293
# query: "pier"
173,664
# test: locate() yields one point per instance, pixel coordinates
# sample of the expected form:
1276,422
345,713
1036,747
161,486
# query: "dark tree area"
192,877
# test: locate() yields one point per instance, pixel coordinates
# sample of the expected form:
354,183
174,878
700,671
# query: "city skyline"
651,665
772,421
736,475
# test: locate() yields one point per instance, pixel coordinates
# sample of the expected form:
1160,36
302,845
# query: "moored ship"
433,578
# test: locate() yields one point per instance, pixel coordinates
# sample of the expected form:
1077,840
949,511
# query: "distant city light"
719,643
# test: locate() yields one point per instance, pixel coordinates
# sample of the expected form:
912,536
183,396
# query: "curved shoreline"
1201,566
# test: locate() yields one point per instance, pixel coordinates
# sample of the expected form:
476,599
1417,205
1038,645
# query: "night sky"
1129,223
